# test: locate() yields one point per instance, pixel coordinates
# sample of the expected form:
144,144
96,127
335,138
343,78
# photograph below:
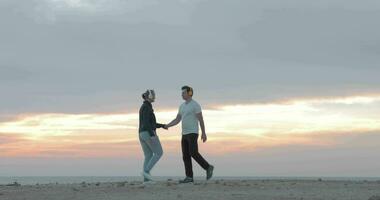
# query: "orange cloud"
233,128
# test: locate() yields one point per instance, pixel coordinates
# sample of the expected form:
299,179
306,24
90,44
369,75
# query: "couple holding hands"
190,114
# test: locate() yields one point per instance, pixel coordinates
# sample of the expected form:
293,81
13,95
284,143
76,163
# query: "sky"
287,87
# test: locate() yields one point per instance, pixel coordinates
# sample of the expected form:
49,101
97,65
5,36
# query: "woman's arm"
146,115
158,125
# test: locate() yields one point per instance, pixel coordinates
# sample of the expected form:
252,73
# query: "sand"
213,189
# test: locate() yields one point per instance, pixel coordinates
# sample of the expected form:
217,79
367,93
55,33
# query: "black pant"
189,145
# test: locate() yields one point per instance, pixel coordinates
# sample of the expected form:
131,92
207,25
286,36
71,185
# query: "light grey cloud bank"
98,56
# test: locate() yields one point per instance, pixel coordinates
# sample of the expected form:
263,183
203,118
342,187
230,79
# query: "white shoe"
147,176
149,182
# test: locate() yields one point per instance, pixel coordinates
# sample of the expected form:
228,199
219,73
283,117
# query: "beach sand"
213,189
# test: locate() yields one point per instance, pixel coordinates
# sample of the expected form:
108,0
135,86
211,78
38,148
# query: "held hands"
165,127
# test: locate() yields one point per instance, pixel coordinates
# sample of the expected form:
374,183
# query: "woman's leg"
155,146
148,154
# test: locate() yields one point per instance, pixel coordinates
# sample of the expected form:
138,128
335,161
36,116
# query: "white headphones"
150,94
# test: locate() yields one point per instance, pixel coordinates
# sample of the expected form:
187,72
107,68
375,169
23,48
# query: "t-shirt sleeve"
197,108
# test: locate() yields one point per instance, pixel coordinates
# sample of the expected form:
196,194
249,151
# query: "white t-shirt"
188,113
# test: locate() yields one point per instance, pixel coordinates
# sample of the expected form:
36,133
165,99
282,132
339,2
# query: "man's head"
187,92
149,95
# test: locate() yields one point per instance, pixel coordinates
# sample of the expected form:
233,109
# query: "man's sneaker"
147,176
187,180
209,172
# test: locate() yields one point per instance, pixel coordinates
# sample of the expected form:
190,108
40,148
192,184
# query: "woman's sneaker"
187,180
149,182
147,176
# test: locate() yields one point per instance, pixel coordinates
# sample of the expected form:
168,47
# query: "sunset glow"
255,126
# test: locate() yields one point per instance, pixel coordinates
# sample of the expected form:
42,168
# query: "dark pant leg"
193,149
186,156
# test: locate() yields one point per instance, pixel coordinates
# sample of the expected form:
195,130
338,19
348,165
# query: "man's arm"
175,121
202,124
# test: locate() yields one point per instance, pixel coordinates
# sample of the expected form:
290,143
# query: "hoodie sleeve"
160,125
146,116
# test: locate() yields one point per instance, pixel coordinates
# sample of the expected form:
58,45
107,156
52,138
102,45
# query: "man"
190,113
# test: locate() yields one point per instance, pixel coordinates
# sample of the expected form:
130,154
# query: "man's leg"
186,156
193,148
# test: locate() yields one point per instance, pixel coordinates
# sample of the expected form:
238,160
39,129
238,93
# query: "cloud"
240,52
344,158
314,122
61,124
12,145
273,71
303,115
310,37
317,154
53,10
131,11
13,74
9,138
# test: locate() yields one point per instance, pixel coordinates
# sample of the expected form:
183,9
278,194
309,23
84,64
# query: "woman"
149,140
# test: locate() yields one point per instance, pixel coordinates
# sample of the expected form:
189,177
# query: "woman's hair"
147,93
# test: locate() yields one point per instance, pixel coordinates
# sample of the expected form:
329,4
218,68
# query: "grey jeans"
152,149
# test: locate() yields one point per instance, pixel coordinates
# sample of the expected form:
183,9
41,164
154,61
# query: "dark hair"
148,92
187,88
145,95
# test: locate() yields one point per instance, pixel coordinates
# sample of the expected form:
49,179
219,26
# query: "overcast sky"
98,56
